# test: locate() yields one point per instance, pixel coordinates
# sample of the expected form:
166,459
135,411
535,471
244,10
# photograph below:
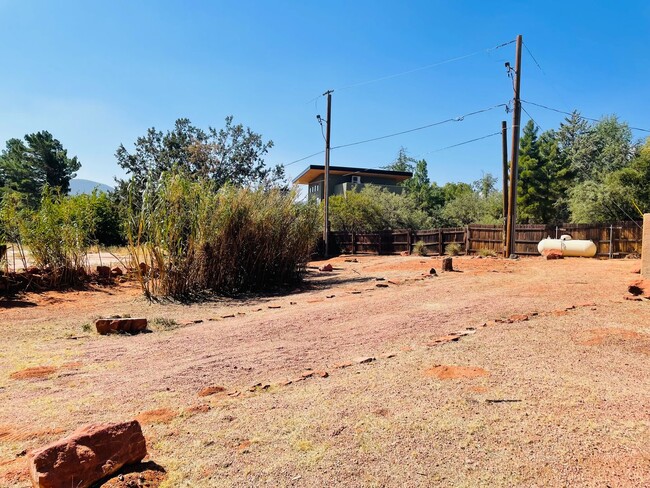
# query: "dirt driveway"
504,373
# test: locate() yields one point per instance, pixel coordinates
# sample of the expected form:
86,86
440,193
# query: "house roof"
314,170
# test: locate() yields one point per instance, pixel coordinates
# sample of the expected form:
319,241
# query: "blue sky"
97,74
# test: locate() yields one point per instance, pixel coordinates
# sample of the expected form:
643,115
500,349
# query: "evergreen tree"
26,167
544,177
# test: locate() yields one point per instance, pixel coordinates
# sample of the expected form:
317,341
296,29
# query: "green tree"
233,154
621,195
471,208
27,166
544,178
402,162
452,190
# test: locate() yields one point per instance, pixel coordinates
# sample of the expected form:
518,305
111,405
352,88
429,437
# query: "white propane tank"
568,246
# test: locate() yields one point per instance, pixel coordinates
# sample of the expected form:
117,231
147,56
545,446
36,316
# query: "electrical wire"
530,116
454,119
572,113
465,142
302,159
421,68
533,58
361,171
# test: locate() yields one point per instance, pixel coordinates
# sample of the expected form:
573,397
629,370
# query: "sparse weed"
420,248
163,323
452,249
487,253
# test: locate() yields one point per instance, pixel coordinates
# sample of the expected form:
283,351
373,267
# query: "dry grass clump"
452,249
420,248
193,237
487,253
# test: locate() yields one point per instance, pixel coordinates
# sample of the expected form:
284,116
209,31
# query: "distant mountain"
79,185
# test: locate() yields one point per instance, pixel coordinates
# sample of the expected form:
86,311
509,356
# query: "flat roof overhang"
313,171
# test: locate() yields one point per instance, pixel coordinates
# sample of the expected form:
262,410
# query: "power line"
454,119
464,142
533,58
302,159
530,116
421,68
572,113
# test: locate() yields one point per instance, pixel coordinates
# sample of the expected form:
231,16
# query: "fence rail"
612,240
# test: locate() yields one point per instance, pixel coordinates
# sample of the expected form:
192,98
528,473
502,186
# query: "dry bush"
452,249
487,253
420,248
195,238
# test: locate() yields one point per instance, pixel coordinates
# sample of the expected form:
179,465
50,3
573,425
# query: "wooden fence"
612,240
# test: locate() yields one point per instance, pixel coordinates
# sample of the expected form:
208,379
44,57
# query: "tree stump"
447,264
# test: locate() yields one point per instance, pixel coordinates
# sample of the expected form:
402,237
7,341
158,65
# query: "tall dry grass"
196,238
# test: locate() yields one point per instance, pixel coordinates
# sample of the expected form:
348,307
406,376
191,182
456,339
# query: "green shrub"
195,238
59,234
420,248
452,249
109,225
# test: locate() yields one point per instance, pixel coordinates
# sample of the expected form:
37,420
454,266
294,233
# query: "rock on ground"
113,326
552,254
87,455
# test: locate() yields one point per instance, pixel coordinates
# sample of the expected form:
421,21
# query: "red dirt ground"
567,358
443,372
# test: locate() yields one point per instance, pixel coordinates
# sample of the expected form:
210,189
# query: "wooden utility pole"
514,163
504,178
326,179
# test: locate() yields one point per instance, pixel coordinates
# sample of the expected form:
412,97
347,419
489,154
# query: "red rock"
327,267
519,318
112,326
405,253
307,374
364,360
87,455
322,374
116,271
211,390
552,254
444,339
345,364
636,271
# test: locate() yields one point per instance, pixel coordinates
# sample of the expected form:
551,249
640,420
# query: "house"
343,179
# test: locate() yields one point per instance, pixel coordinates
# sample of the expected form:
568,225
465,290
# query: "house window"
356,180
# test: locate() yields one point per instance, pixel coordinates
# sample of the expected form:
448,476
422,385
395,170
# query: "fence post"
440,239
467,240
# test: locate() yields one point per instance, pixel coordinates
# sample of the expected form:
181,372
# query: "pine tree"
544,176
